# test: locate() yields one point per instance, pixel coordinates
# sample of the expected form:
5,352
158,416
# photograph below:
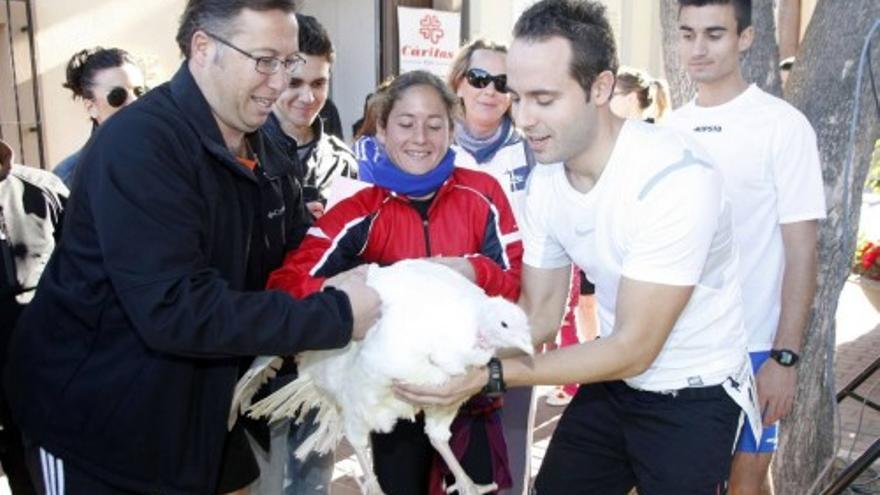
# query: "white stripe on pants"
53,473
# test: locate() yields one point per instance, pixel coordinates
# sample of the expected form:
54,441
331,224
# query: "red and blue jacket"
469,216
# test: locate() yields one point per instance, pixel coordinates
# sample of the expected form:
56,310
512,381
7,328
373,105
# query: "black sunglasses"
117,96
479,79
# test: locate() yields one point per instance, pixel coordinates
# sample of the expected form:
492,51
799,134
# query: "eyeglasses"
265,65
479,79
117,96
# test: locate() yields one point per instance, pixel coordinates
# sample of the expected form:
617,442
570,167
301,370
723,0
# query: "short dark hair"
214,16
387,98
313,38
742,10
85,64
584,24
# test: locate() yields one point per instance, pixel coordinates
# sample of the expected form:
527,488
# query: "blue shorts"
769,434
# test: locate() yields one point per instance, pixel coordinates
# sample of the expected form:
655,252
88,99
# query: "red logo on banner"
431,29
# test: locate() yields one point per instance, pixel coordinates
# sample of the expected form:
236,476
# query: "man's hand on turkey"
365,302
454,391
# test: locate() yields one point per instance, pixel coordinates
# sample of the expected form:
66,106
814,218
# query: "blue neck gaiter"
390,176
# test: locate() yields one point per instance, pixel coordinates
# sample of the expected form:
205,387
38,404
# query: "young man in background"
766,151
295,123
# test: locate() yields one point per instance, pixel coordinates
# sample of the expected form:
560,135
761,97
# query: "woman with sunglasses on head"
487,140
105,79
420,206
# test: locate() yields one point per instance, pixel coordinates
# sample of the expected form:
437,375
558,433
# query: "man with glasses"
122,368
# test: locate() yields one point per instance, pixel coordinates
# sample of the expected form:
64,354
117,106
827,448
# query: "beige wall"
354,28
147,28
144,28
493,20
636,25
639,35
807,8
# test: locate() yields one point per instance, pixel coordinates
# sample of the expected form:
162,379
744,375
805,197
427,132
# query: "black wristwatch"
785,357
495,387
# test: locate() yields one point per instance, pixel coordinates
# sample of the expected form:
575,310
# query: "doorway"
20,122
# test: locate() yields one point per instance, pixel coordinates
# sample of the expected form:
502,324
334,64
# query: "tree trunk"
822,86
680,88
760,64
788,25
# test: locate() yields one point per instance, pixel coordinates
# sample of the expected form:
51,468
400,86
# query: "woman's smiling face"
417,133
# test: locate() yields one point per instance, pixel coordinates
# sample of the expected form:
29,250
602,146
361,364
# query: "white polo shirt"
766,150
656,214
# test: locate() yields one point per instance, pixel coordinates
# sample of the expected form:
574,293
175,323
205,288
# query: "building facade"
44,124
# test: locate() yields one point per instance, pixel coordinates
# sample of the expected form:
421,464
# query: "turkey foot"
463,483
368,484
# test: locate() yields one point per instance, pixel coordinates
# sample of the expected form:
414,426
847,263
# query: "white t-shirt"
766,151
656,214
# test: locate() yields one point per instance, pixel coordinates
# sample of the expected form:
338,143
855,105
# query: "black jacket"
328,158
125,361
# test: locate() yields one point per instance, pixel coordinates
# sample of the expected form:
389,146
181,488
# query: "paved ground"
858,346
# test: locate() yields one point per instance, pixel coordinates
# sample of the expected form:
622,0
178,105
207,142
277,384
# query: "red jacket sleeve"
499,266
293,275
333,245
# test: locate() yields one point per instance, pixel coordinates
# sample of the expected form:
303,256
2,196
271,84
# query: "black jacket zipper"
427,237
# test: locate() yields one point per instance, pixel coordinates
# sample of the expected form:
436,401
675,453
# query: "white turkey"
435,324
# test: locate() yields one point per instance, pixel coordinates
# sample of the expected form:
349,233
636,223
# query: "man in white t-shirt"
766,151
641,210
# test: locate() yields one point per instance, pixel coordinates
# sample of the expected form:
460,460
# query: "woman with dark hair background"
366,148
105,79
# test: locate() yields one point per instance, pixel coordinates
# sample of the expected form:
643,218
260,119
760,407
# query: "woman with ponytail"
639,96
